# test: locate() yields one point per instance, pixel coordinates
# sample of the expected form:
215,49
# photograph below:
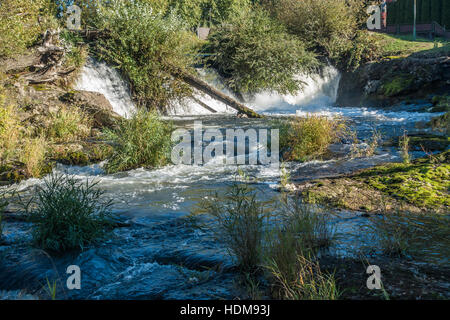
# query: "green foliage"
142,141
68,214
328,27
254,53
205,12
241,219
303,139
147,47
22,22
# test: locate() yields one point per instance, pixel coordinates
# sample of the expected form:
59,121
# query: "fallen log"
215,94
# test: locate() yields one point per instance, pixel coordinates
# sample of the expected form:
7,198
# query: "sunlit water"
163,256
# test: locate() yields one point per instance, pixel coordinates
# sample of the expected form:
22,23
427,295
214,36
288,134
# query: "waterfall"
319,90
99,77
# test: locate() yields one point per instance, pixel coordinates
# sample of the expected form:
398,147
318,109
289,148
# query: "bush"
22,22
147,47
254,53
240,218
303,139
144,140
330,27
68,214
69,124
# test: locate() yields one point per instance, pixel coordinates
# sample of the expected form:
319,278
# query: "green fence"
402,12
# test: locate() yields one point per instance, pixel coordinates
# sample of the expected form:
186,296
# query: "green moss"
396,85
422,183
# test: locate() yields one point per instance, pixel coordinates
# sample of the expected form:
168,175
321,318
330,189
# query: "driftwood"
204,105
215,94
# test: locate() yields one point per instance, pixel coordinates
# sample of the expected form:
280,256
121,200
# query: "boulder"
95,104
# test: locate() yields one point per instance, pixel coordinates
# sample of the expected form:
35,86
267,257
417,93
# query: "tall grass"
290,257
69,124
241,220
142,141
304,139
67,214
9,131
404,148
306,282
33,155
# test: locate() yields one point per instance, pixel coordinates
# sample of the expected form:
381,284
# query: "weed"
67,214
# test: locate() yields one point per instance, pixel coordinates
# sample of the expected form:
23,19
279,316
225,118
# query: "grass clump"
254,52
294,272
33,156
69,124
305,281
68,214
303,139
142,141
241,220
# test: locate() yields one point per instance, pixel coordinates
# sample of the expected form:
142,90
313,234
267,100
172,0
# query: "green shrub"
142,141
303,139
68,214
22,22
241,220
254,53
147,47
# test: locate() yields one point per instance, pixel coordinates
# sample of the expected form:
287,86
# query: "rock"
388,82
95,104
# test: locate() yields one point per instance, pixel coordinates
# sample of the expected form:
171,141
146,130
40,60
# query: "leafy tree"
254,52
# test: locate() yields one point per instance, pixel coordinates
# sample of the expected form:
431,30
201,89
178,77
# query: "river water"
160,254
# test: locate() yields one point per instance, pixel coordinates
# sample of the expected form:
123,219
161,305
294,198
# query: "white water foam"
99,77
318,90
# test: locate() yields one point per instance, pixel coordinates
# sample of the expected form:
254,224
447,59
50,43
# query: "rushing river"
160,254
